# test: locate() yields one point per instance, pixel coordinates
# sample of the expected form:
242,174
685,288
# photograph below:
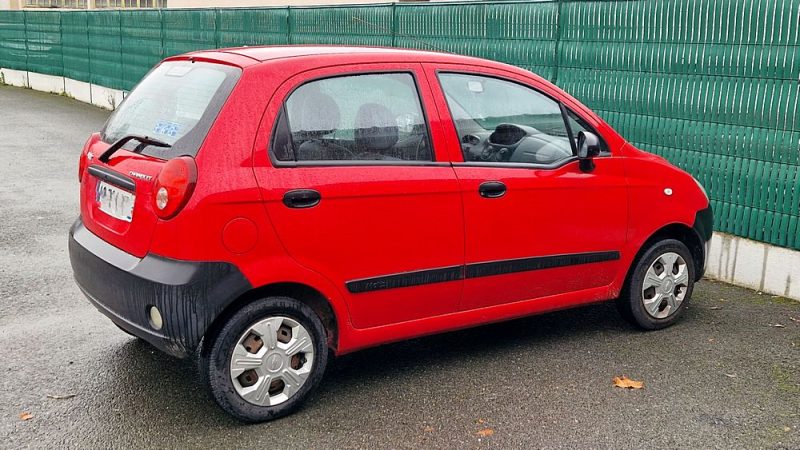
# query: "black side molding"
537,263
475,270
406,279
111,177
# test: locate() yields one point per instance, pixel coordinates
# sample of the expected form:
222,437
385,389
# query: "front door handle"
492,189
301,198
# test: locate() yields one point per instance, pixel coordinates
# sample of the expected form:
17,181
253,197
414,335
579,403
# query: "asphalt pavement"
726,376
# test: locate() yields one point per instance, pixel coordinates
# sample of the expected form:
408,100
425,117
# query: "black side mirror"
588,148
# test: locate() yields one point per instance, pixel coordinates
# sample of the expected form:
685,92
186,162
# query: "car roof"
275,52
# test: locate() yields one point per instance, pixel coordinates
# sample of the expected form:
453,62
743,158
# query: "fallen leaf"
787,429
428,429
481,421
61,397
777,325
730,375
486,432
25,416
716,307
625,382
794,319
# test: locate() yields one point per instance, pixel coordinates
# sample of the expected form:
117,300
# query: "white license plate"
114,201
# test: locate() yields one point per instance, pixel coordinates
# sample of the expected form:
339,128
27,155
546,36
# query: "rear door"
359,190
536,225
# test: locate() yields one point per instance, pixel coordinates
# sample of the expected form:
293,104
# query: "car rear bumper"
189,295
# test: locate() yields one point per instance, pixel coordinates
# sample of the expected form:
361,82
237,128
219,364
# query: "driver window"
353,118
502,121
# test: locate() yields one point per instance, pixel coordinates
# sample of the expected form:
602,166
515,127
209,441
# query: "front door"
358,193
536,225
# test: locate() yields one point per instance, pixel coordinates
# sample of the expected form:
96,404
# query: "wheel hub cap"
271,361
665,285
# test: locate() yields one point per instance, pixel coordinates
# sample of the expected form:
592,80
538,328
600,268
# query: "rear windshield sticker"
167,128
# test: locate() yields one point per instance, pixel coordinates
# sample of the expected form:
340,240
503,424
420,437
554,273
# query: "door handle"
301,198
492,189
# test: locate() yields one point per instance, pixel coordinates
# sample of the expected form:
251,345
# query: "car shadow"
486,341
145,381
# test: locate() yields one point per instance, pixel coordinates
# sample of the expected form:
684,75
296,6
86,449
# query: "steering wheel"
496,152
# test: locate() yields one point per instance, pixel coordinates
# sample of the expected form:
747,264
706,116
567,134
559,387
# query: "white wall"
251,3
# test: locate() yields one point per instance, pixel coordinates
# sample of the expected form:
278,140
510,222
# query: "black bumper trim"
704,227
190,295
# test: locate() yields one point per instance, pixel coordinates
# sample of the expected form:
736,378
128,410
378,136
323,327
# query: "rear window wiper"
144,141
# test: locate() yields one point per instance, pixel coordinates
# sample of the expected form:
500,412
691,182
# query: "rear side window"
176,103
371,117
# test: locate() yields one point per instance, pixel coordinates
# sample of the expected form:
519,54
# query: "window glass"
360,117
502,121
175,103
576,125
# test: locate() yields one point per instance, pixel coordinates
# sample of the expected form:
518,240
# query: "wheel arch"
678,231
304,293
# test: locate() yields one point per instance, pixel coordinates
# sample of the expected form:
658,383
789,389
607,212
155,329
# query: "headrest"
375,128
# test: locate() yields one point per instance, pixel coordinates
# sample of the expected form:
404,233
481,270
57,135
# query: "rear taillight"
81,166
86,155
174,186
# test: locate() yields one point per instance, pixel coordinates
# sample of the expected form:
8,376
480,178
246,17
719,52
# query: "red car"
268,207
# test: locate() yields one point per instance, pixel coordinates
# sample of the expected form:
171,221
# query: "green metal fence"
712,85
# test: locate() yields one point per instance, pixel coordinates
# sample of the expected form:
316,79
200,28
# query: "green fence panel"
238,27
105,48
43,34
187,30
346,25
713,86
75,45
13,47
141,42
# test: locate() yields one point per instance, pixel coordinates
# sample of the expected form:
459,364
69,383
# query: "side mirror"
588,148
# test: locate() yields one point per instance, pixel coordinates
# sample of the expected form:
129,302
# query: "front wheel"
659,287
266,360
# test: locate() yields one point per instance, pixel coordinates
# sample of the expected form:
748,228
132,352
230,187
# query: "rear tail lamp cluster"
84,159
174,186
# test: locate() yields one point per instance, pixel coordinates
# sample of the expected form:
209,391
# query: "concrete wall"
100,96
756,265
11,4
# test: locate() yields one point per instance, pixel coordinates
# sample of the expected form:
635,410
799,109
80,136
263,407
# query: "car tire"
267,360
649,305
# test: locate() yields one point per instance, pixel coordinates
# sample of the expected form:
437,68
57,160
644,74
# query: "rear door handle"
492,189
301,198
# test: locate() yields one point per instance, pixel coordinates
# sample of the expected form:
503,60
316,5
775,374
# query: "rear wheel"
266,360
659,287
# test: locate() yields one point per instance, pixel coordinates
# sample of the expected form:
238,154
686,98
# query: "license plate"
114,201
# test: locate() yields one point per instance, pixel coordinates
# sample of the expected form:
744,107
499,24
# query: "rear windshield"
175,103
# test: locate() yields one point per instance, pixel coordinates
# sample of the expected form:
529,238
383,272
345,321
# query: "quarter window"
576,125
501,121
371,117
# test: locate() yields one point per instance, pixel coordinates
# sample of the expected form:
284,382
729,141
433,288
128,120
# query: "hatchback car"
266,208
